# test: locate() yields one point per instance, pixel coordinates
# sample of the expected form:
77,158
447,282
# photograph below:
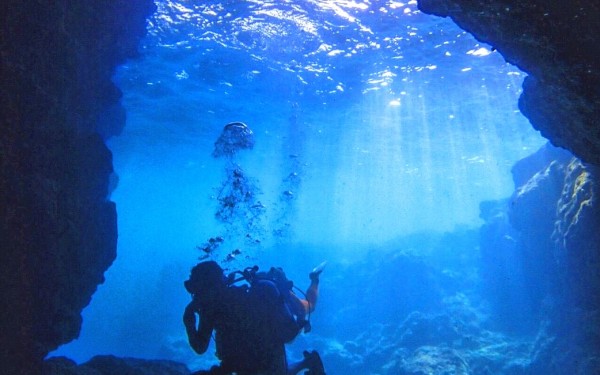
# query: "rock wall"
569,341
556,43
576,236
555,245
556,214
57,227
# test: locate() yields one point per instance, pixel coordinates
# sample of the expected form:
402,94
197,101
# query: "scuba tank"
285,287
251,275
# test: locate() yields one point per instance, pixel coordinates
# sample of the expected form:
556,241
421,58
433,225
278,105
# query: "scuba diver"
252,323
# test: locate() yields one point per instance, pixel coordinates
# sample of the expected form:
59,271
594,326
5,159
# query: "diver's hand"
189,315
198,336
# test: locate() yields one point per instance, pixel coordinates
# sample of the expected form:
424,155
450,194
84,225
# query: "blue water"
387,126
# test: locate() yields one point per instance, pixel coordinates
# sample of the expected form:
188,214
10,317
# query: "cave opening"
384,142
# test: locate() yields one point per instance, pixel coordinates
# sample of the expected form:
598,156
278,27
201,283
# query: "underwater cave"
441,156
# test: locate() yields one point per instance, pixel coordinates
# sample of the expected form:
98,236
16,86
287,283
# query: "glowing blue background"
399,125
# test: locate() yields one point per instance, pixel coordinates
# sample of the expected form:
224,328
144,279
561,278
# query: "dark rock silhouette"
58,229
111,365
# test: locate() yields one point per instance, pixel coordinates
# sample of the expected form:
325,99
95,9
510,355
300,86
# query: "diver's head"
205,277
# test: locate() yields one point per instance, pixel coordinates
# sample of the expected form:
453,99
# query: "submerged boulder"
111,365
434,360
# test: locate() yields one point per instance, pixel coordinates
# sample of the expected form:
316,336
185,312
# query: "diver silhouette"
252,323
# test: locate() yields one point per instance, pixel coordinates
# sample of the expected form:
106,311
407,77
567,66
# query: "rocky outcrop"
402,274
57,227
576,236
556,214
555,245
110,365
532,213
569,341
448,343
555,42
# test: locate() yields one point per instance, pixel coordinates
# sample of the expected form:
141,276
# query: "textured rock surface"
556,43
576,235
449,343
110,365
446,332
570,340
555,216
532,213
57,227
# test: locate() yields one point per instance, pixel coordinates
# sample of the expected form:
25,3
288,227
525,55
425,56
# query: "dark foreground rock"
57,227
110,365
556,43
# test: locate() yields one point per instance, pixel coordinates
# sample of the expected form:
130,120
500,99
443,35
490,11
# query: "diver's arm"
298,306
197,337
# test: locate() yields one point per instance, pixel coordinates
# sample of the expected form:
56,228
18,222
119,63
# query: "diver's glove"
314,274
